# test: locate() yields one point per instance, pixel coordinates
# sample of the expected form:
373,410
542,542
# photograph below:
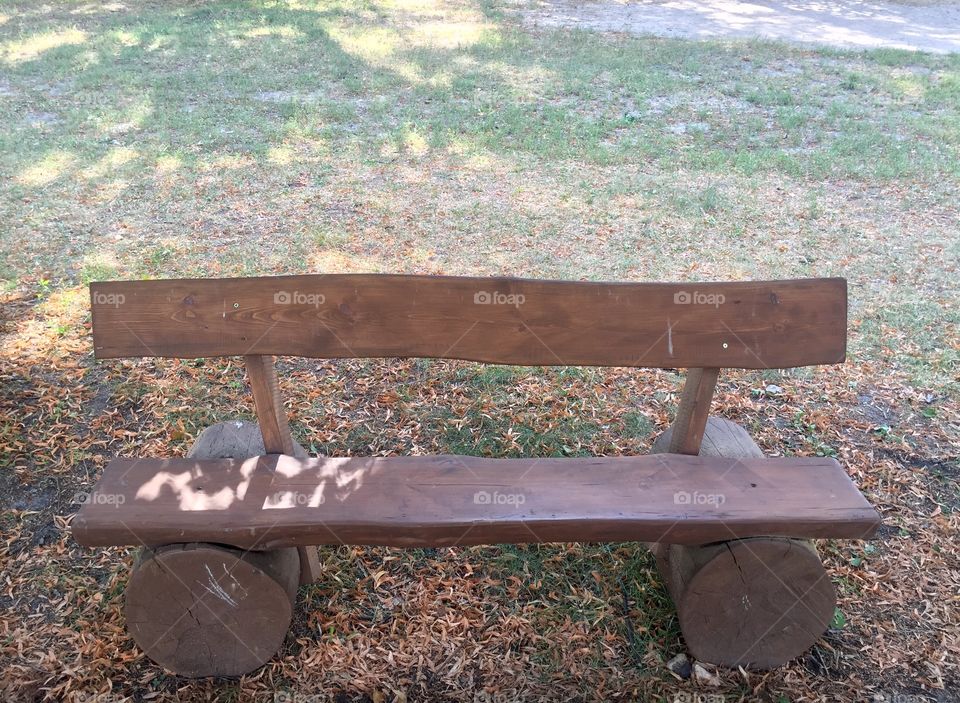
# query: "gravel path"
859,24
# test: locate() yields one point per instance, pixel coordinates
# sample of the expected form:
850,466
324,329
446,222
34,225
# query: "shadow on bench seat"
280,501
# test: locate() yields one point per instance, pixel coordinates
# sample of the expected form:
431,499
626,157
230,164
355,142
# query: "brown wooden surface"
693,411
721,438
237,439
271,417
758,324
756,602
207,610
279,501
230,439
310,567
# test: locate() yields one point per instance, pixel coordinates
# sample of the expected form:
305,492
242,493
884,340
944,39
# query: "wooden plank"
499,320
262,374
277,501
310,567
693,411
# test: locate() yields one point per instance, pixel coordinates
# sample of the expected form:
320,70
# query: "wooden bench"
229,531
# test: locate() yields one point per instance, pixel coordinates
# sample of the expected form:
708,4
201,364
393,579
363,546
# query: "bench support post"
693,412
262,373
756,602
266,396
207,610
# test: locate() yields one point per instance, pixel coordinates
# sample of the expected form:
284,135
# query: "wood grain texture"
311,569
721,438
278,501
498,320
755,602
262,374
693,412
230,439
208,610
237,439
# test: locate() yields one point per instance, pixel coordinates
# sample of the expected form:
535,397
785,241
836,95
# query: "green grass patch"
222,139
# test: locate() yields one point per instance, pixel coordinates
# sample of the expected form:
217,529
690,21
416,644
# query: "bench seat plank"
277,501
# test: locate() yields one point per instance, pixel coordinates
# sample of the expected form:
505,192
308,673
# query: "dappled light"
370,44
450,35
415,142
167,165
192,490
326,260
279,500
110,163
286,32
281,155
20,50
96,8
48,332
51,167
225,162
125,38
343,475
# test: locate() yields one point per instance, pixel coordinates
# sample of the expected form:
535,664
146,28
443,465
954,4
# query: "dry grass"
227,139
558,622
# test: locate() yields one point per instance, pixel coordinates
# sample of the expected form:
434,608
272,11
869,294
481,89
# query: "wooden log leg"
310,567
210,610
754,602
688,428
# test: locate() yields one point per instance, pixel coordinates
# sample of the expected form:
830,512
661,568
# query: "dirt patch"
914,26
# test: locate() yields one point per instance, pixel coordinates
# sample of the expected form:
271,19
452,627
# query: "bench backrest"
701,326
752,325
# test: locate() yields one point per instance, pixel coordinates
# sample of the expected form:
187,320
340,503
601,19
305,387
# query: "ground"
915,25
422,136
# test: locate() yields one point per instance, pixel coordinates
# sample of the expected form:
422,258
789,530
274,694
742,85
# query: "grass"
236,139
421,136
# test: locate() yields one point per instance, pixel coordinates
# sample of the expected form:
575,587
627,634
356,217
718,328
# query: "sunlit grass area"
233,138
